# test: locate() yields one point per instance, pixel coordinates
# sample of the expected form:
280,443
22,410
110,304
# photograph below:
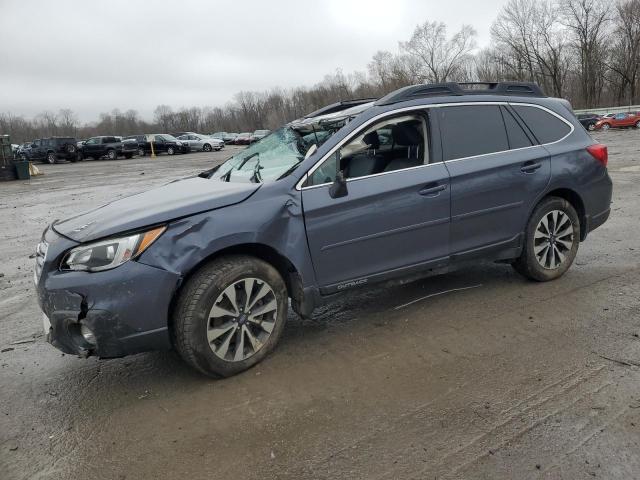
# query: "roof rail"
338,106
412,92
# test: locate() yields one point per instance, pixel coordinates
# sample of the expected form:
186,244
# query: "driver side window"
395,143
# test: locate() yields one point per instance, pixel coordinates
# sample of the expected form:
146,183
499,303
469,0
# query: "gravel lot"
505,380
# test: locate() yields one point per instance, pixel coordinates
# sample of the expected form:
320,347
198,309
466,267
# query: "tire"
79,157
51,158
128,155
206,147
591,127
70,148
606,126
207,338
638,124
141,152
170,151
561,239
111,154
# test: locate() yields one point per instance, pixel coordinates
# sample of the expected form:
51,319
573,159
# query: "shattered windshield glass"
271,157
278,154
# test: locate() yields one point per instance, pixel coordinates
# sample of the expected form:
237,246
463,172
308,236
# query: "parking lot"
476,374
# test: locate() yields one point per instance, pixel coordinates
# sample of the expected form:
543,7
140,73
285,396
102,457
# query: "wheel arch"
266,253
576,202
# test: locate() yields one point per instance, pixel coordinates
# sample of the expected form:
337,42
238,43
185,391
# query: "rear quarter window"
546,127
471,130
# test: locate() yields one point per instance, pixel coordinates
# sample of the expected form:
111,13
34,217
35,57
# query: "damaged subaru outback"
419,182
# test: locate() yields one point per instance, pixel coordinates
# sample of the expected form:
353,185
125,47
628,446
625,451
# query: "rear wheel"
230,315
638,124
206,147
111,154
606,126
551,240
141,152
591,127
170,151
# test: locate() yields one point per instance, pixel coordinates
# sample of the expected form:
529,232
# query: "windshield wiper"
257,177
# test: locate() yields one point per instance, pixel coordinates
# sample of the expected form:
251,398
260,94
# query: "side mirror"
339,186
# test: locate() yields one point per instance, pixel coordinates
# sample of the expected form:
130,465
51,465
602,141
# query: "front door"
394,217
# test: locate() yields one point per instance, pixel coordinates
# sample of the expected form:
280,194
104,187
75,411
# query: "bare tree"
440,58
624,59
587,22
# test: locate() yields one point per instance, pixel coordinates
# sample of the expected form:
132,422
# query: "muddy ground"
509,379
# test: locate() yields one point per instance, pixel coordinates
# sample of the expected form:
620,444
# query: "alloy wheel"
242,319
51,158
553,239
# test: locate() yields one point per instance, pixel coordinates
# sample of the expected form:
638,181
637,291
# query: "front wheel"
206,147
112,155
51,158
170,151
230,315
606,126
638,124
591,127
141,152
551,241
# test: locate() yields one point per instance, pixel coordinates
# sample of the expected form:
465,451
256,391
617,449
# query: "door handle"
432,191
530,167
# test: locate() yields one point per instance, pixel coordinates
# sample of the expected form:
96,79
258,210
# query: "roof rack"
338,106
412,92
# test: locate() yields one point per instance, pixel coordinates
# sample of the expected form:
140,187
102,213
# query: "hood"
171,201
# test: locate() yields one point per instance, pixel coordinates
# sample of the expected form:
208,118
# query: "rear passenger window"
547,128
471,130
516,135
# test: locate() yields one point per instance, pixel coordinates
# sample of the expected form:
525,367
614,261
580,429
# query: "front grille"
41,255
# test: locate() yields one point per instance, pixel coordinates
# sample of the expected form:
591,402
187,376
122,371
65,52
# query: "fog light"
87,334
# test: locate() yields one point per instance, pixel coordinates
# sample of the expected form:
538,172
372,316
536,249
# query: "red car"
619,120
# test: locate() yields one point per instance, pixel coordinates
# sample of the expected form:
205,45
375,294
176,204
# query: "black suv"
52,149
110,147
588,120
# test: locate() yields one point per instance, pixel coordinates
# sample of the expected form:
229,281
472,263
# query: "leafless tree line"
587,51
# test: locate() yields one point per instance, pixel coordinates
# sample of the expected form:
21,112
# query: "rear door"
395,215
497,172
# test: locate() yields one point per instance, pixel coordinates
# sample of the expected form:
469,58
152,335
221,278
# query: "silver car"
201,143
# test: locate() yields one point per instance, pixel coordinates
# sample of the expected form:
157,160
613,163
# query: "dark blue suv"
418,182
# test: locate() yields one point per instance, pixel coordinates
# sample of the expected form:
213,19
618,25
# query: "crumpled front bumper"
126,308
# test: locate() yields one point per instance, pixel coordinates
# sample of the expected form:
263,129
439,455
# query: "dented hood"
171,201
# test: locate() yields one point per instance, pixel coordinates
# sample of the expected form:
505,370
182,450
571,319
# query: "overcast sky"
93,56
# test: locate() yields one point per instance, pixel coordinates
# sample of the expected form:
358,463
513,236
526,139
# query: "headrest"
406,134
372,140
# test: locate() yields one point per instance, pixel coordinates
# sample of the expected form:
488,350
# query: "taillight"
599,152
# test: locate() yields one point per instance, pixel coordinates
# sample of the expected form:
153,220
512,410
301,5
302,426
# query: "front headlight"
107,254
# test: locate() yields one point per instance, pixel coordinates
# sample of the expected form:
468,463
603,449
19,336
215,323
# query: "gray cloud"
95,56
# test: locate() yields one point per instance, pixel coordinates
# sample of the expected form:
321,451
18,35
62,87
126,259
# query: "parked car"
588,120
106,146
21,151
230,138
243,138
619,120
201,143
259,135
208,264
218,135
162,143
52,149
